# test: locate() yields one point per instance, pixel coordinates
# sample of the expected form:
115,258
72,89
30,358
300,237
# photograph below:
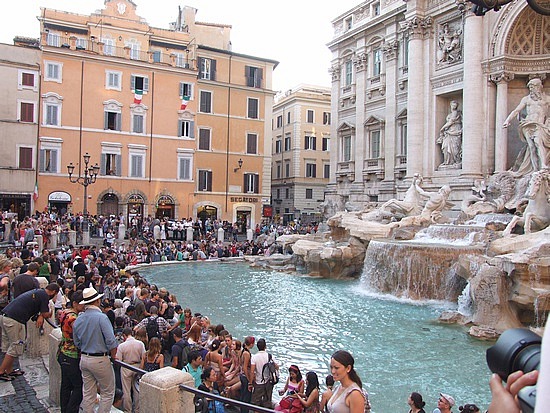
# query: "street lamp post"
89,177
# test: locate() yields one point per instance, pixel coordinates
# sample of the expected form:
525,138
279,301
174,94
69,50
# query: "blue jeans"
245,395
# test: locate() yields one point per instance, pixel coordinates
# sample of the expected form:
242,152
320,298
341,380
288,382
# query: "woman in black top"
416,403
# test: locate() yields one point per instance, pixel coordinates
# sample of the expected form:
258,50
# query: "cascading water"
465,302
425,267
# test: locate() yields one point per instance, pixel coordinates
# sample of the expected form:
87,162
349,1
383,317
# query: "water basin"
398,345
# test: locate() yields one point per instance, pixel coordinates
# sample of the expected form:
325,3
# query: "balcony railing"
97,47
373,165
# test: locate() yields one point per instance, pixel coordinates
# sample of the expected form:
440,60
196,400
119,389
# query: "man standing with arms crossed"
93,335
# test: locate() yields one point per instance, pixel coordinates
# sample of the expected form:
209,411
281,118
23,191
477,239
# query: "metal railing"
197,392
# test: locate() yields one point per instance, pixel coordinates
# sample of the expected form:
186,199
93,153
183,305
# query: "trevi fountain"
490,254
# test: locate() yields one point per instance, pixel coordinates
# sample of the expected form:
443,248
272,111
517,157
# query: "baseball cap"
450,399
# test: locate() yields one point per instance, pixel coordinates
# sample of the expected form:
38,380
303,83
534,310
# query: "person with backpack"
178,349
265,371
154,325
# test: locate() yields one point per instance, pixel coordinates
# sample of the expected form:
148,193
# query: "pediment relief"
374,120
346,126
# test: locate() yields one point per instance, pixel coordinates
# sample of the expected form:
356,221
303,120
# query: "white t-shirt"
259,359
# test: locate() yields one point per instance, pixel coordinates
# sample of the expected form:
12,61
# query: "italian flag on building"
35,193
184,102
138,95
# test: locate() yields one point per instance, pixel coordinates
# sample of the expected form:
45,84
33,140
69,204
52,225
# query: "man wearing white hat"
445,403
93,335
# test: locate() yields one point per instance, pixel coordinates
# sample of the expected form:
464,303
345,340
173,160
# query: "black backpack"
152,328
270,373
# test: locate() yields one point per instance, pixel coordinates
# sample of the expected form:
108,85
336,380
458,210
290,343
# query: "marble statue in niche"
450,138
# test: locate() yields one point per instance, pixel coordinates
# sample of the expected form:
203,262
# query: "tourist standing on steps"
416,403
348,397
13,322
444,404
263,390
69,358
93,334
130,351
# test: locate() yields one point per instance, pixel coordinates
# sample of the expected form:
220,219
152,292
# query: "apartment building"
177,122
301,160
20,83
400,69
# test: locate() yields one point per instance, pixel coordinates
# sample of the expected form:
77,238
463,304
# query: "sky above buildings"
293,32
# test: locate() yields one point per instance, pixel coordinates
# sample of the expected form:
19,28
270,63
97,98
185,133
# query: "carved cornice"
360,62
335,73
447,80
517,65
497,78
418,27
389,49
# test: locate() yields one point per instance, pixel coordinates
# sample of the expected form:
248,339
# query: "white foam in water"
465,302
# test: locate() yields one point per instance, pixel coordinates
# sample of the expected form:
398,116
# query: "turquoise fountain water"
399,347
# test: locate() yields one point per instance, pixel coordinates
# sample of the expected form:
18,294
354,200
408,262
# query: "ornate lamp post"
89,177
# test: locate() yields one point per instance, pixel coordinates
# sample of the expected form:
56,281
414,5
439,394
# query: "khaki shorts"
13,336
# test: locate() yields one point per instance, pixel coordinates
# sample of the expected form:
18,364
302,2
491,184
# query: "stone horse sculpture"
537,213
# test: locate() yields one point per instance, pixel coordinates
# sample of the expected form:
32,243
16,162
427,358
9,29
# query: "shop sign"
243,199
135,199
59,196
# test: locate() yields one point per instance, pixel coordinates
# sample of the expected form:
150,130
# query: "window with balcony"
108,46
157,56
134,50
138,82
53,39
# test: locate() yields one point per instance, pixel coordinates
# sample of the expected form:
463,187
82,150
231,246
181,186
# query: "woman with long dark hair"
416,403
310,400
348,397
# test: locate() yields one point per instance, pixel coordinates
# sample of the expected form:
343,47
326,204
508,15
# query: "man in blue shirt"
93,335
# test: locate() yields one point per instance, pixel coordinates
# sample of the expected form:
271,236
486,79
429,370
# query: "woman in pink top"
348,397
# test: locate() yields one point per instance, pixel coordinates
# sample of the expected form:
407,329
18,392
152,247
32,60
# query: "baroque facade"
301,161
424,86
178,123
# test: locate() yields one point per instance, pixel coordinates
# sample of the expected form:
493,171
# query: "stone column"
390,137
360,64
419,29
189,234
159,391
221,234
473,133
334,138
53,240
121,231
501,136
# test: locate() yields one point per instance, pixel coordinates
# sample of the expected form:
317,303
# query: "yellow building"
178,124
301,158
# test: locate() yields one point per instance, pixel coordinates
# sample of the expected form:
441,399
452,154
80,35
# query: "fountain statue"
450,138
534,129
